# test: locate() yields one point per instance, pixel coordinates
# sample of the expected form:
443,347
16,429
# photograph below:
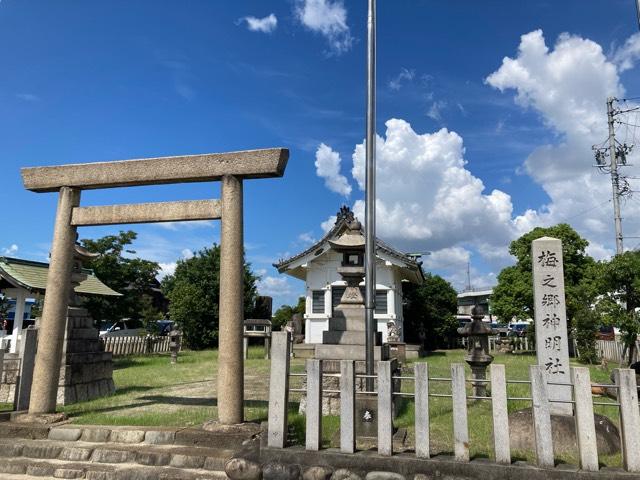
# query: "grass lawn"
152,392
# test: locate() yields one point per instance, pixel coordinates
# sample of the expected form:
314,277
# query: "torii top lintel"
264,163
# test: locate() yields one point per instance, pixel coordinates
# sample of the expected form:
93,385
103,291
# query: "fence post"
385,409
585,423
421,373
28,347
314,404
1,358
347,406
460,421
629,418
279,390
541,413
500,414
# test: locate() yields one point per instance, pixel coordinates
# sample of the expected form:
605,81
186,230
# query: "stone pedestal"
331,400
86,370
398,350
479,386
345,339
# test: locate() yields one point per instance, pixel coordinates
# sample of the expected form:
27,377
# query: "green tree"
430,312
620,280
513,295
4,310
285,312
193,293
586,323
150,314
134,278
587,318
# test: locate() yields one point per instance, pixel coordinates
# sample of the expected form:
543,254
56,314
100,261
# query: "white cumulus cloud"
10,250
405,75
626,56
307,238
427,198
265,25
274,286
328,167
567,85
328,18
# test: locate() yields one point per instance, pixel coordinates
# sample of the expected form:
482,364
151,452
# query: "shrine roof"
344,216
16,272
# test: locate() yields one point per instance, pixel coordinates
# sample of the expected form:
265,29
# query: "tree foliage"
429,312
194,293
134,278
285,312
4,310
620,282
513,296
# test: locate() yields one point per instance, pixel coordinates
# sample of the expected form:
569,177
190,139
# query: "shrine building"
24,281
318,266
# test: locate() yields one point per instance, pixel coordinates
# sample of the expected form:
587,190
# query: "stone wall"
87,370
8,378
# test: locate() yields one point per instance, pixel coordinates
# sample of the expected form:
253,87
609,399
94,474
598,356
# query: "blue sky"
478,151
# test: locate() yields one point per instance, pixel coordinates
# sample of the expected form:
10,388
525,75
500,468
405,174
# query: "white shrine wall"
322,274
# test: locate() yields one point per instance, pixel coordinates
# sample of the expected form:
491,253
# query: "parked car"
162,327
126,327
606,333
500,328
518,330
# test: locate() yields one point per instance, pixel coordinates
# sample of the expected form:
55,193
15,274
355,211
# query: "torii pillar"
69,180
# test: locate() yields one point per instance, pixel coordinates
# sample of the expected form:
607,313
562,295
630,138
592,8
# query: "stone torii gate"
69,180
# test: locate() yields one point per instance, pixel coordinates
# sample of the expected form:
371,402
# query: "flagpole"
370,194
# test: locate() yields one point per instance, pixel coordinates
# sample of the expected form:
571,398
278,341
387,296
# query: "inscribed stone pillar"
230,355
552,346
54,313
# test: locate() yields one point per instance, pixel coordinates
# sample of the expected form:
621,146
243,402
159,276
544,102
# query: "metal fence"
136,345
582,403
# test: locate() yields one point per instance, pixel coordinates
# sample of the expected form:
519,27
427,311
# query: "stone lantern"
81,256
478,357
351,245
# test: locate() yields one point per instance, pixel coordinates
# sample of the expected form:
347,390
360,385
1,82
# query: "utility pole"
468,276
615,179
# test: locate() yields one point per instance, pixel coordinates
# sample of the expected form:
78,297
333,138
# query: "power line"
588,210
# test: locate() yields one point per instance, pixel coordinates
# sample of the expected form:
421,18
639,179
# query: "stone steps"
22,469
29,450
110,461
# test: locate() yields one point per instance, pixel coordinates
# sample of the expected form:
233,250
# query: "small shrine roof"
16,272
257,321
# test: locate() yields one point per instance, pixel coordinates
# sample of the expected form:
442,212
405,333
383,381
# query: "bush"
194,293
586,322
